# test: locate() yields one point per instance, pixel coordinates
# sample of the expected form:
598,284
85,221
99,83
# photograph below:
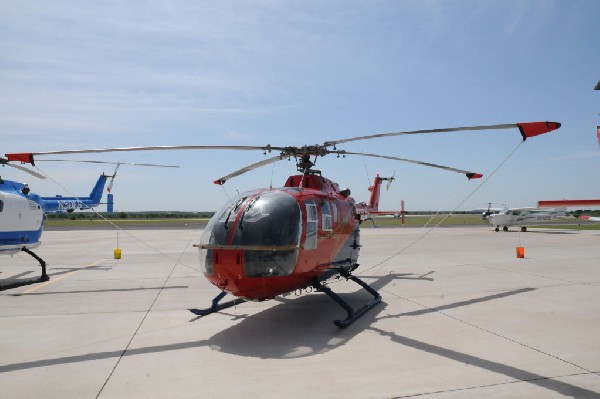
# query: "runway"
461,317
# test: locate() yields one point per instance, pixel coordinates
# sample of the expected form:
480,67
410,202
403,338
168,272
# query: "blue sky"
114,74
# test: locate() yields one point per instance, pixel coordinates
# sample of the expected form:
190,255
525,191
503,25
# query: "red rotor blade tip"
531,129
25,157
474,176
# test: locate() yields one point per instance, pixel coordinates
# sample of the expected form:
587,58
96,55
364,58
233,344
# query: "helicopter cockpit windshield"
265,226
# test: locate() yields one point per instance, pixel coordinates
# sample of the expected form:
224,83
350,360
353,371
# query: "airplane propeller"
303,154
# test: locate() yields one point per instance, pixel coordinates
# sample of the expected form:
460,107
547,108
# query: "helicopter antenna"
272,173
367,170
225,191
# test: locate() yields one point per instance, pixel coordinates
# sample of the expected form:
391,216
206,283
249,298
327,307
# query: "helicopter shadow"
17,280
301,326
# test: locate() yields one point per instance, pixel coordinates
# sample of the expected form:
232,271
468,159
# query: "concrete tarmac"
461,317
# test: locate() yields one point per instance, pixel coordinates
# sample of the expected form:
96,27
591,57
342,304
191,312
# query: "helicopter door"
312,225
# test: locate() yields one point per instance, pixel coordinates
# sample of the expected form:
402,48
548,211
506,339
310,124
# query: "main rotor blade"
108,162
470,175
248,168
27,157
31,172
527,129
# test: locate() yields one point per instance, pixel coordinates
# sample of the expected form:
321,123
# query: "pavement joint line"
475,387
496,334
54,280
142,321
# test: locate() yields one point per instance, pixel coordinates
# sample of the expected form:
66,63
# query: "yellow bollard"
520,252
117,253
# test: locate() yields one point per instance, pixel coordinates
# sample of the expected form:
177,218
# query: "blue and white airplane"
22,215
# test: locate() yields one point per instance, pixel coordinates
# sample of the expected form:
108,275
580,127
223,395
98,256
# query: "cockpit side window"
326,216
1,205
312,222
334,212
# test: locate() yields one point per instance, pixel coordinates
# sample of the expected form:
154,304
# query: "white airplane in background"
590,218
523,217
579,203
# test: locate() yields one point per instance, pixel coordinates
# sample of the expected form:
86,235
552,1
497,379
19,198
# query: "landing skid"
43,277
215,307
353,314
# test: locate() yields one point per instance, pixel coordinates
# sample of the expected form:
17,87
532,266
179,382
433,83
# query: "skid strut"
44,276
353,315
215,307
21,283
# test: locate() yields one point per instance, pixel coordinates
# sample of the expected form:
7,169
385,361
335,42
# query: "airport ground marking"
54,280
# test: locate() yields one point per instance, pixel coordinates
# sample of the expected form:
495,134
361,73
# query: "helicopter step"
215,307
353,314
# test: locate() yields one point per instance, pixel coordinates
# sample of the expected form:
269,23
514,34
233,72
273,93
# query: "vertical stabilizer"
375,190
96,194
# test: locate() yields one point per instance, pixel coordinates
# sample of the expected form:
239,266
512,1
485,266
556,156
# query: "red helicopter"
371,209
269,242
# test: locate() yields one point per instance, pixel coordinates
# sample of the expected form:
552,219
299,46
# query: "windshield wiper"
250,205
234,208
